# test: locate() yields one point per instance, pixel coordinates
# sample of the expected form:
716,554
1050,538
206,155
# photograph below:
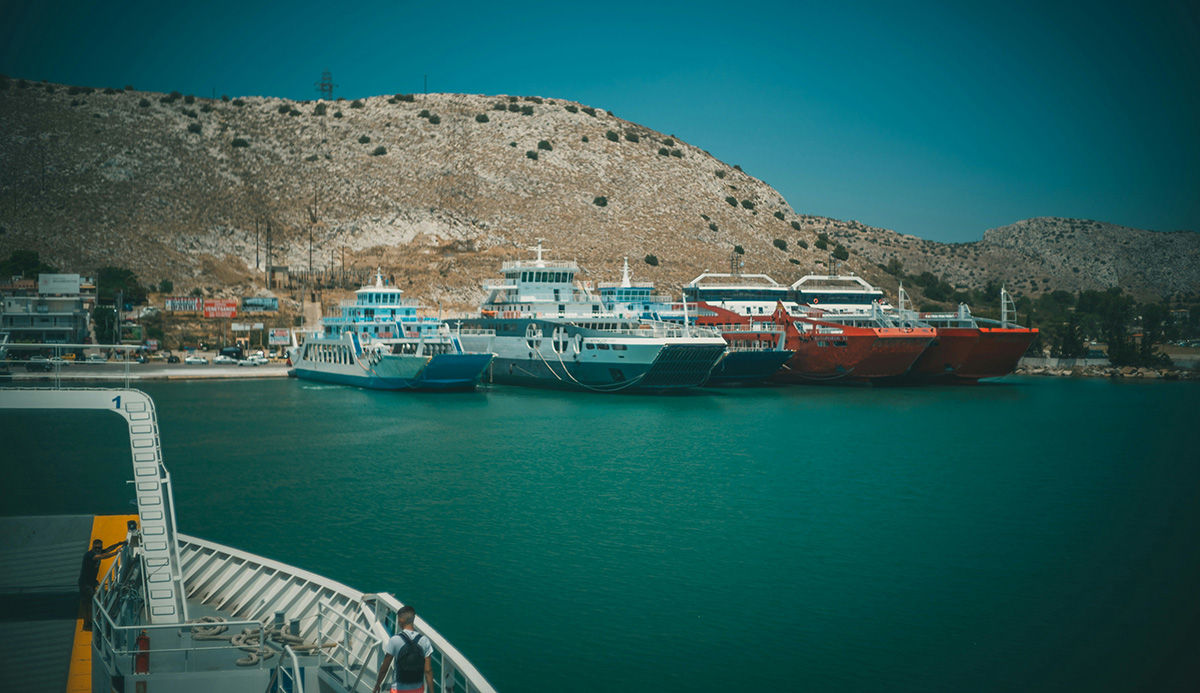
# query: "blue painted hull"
741,368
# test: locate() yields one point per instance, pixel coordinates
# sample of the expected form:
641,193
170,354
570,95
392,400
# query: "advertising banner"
280,336
260,304
62,284
181,304
220,307
239,327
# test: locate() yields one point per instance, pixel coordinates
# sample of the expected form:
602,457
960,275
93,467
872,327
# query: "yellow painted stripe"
109,529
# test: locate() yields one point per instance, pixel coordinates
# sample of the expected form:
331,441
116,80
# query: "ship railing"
749,327
403,302
543,265
59,368
663,330
286,680
474,331
172,647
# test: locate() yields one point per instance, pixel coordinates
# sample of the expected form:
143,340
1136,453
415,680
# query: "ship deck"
42,641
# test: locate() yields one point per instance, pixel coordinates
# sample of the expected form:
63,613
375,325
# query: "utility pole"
256,243
326,85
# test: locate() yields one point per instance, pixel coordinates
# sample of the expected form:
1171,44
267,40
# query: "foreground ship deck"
175,612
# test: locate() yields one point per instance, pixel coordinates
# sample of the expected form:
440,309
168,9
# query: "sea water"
1025,534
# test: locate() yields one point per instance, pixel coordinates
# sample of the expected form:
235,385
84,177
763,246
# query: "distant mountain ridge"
439,189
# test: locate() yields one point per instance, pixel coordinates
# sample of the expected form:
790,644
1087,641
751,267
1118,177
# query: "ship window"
590,346
603,347
620,347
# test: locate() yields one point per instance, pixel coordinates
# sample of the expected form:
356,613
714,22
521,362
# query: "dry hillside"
439,189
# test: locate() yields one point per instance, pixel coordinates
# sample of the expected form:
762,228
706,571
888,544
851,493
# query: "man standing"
411,651
88,574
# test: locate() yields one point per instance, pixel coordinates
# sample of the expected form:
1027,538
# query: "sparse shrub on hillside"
379,151
531,155
499,107
633,137
49,88
311,158
143,103
747,204
571,109
545,144
802,243
239,142
364,140
534,99
739,250
189,99
779,243
712,226
793,260
481,118
841,253
128,87
393,101
225,98
424,113
175,96
589,110
822,244
514,108
600,201
206,108
737,167
663,151
823,237
188,112
239,103
796,225
651,260
434,120
584,139
720,173
337,114
356,104
526,110
405,97
74,91
512,144
319,110
676,153
194,127
731,200
512,99
107,90
612,136
283,109
778,215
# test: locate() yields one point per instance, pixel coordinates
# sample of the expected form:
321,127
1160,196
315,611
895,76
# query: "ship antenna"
625,284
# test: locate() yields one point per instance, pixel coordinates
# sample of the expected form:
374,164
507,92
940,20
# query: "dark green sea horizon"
1024,534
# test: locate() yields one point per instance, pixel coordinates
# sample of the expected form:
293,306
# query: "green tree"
841,253
105,319
25,263
1154,319
166,286
110,280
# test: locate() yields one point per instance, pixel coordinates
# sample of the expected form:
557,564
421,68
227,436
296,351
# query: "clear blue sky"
936,119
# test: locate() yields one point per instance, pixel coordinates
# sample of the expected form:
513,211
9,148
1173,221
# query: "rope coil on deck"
250,639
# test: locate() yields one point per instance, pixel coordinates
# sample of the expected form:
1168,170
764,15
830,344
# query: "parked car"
59,361
172,359
258,359
222,358
39,364
158,357
141,358
248,362
196,360
96,358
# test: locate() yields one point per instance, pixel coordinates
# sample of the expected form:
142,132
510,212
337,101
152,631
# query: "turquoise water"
1031,534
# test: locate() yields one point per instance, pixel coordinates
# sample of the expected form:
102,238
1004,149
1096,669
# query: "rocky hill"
439,189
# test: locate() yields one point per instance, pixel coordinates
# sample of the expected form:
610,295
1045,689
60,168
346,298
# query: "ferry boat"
379,341
756,350
175,612
970,348
830,343
549,330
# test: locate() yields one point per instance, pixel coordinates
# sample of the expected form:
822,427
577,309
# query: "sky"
936,119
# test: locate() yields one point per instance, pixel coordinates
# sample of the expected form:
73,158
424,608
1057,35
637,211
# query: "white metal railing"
56,365
451,670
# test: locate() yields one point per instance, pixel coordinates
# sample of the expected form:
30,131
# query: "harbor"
971,539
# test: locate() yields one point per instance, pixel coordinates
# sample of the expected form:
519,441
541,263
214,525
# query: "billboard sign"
184,304
62,284
280,336
260,304
220,307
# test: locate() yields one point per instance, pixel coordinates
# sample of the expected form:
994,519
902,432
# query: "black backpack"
410,661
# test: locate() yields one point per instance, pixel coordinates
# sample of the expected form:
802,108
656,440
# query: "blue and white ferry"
379,341
548,330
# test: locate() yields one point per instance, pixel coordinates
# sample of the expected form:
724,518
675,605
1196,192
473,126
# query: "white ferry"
379,341
178,613
548,330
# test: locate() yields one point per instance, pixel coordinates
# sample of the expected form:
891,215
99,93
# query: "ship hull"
828,352
742,368
996,353
444,372
943,358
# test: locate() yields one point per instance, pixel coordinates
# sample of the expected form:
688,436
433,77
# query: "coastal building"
57,311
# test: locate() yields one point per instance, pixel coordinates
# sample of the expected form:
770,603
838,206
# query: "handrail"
296,680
